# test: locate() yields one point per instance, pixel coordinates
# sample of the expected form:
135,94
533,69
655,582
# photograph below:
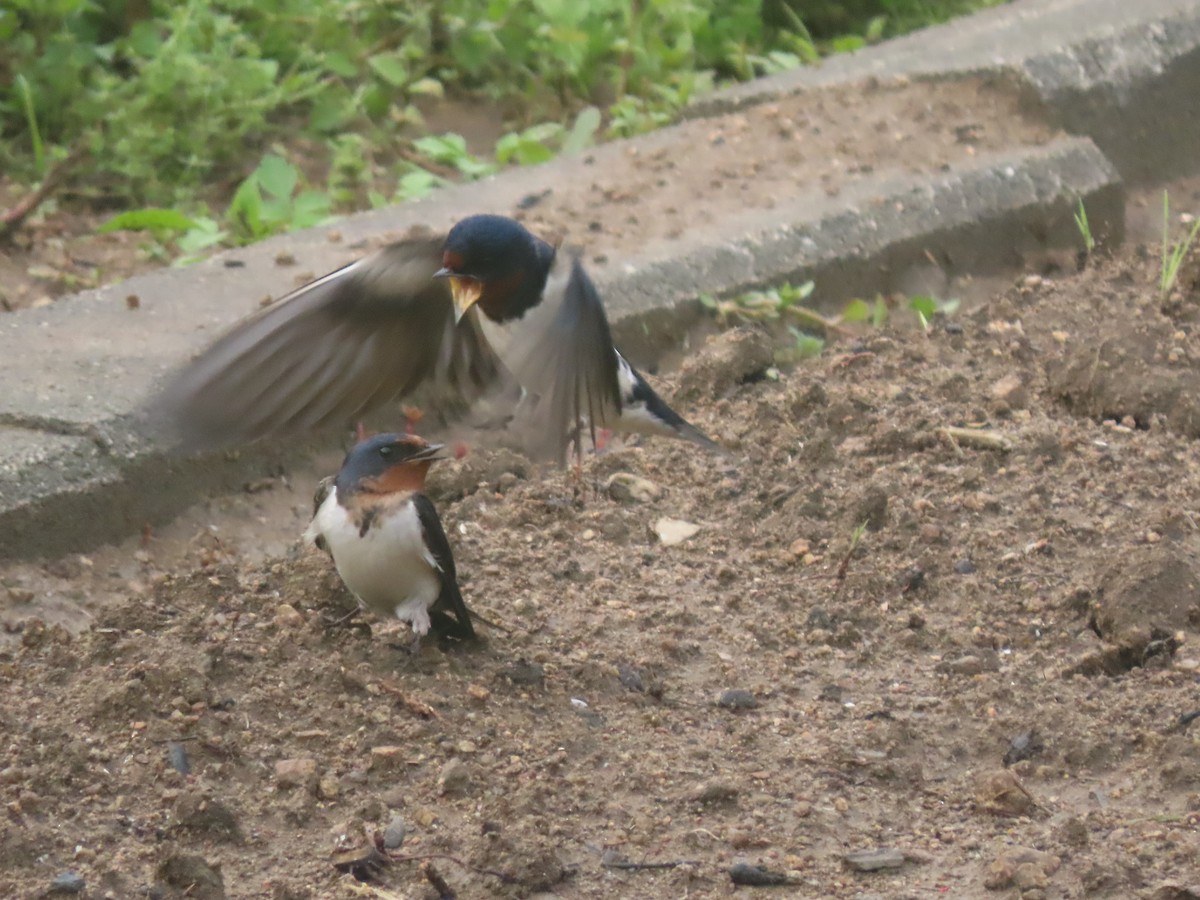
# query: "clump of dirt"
922,707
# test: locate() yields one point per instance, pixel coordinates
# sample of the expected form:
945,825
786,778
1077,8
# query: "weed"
1085,230
1174,254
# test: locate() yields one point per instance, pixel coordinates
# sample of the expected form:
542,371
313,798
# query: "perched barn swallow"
385,536
487,312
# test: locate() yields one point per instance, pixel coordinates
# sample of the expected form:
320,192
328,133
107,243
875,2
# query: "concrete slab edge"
77,491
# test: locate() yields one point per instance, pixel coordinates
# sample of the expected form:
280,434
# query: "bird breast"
386,564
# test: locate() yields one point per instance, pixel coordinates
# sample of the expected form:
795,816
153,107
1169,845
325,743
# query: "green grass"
785,303
1173,252
179,102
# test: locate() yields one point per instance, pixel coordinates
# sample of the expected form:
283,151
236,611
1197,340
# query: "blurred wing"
331,352
567,364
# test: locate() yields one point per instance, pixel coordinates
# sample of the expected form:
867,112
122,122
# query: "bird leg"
360,432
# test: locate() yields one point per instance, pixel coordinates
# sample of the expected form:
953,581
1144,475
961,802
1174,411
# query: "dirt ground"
989,687
987,690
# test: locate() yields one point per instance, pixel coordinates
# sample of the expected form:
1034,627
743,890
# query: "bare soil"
992,680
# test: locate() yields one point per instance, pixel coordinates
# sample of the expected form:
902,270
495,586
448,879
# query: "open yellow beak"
465,292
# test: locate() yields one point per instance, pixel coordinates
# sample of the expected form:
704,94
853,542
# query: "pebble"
295,772
715,792
394,834
1022,866
672,532
67,883
964,567
478,693
964,665
386,756
328,788
425,817
18,595
736,698
1000,792
287,616
874,860
625,487
178,758
1023,746
454,778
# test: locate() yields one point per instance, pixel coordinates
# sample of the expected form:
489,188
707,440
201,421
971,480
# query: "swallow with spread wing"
385,536
487,311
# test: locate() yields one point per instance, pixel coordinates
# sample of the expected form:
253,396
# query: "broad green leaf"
856,311
390,67
277,176
583,132
340,64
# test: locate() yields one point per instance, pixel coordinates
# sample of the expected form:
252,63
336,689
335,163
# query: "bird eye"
387,451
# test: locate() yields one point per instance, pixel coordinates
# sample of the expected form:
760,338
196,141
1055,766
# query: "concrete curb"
1125,74
79,471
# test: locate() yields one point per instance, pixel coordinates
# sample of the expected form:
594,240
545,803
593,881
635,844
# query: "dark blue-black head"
495,262
387,463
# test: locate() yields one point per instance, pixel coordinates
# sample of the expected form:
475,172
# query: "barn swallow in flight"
487,311
385,536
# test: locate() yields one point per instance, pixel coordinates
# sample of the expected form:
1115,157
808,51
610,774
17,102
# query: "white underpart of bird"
389,569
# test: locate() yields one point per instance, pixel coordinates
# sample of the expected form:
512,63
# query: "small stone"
454,778
424,817
387,756
735,698
713,792
286,616
298,772
1034,865
328,788
800,548
1009,391
194,874
178,758
466,747
20,595
874,860
1000,793
964,567
672,532
625,487
67,883
964,665
394,834
478,693
1024,746
931,532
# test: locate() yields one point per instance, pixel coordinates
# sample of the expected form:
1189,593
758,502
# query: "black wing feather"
570,366
450,599
335,349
